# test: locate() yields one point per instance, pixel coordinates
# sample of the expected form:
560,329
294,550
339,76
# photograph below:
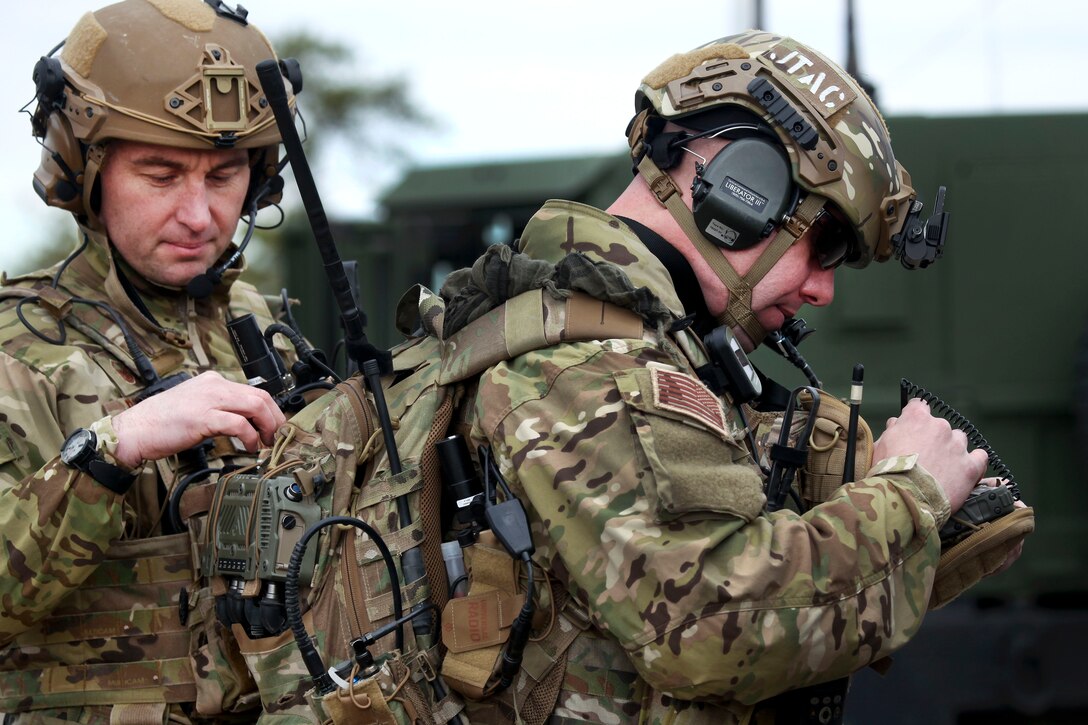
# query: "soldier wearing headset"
762,168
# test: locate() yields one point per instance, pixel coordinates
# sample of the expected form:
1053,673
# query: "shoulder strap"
531,321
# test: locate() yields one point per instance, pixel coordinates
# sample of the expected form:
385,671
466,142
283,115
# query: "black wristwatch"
80,451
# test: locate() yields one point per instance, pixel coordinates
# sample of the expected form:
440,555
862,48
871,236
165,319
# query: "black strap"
133,293
683,276
112,477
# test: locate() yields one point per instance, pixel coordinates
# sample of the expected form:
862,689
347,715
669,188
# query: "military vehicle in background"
998,329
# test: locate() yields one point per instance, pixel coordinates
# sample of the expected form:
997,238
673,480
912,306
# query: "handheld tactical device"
258,521
254,525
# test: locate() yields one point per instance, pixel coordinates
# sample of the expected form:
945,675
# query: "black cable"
143,365
69,259
55,282
63,330
336,349
514,652
173,504
316,385
304,350
510,525
288,316
454,584
279,222
752,441
908,390
310,655
251,224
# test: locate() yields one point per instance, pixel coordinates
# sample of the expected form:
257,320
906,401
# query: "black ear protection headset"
745,190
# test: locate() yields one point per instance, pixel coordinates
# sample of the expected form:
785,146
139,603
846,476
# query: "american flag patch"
687,396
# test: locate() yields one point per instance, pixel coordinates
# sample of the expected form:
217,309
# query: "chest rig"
117,641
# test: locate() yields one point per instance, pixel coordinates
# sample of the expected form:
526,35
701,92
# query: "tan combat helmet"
836,141
178,73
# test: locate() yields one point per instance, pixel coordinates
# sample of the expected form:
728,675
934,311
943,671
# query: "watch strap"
112,477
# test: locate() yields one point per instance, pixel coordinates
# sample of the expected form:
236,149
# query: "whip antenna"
358,347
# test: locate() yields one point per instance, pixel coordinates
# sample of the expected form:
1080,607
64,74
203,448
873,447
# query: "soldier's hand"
941,450
202,407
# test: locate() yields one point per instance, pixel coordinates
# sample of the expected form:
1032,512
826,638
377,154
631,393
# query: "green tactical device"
258,522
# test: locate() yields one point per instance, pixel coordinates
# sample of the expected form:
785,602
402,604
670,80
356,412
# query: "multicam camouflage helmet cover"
178,73
838,144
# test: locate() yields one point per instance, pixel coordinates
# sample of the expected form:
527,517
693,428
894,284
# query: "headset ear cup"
59,177
744,191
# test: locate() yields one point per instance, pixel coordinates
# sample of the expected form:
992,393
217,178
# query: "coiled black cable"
909,390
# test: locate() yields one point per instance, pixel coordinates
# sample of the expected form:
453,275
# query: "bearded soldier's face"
171,212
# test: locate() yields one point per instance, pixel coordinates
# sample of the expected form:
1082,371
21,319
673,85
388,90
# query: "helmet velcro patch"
196,16
83,43
683,64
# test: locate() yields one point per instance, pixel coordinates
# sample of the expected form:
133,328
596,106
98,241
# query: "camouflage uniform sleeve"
55,524
653,519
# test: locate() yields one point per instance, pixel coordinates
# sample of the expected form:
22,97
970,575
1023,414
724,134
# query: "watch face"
78,448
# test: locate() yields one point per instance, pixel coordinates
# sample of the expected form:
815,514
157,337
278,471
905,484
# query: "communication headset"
60,178
744,191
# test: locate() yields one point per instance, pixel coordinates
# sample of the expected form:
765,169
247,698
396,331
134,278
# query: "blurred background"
437,128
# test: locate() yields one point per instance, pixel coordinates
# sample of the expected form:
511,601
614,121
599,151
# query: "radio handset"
729,371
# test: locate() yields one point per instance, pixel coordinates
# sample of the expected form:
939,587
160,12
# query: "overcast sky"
529,78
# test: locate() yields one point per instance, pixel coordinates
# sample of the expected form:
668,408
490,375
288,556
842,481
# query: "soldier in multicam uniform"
156,137
645,501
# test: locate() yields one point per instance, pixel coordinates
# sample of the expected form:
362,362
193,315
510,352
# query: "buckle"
423,665
663,187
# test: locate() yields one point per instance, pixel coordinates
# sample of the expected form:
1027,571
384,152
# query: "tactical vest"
123,639
350,594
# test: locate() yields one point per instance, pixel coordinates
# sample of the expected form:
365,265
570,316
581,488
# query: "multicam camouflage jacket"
89,597
647,507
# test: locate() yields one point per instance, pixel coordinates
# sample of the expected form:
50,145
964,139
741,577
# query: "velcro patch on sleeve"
684,394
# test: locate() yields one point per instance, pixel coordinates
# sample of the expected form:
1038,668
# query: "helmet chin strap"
738,311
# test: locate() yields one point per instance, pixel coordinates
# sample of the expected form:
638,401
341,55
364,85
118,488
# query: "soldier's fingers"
258,407
917,406
979,461
222,422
